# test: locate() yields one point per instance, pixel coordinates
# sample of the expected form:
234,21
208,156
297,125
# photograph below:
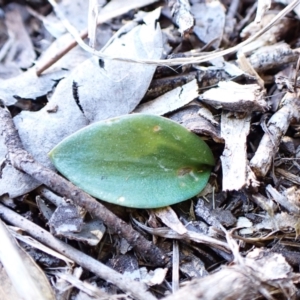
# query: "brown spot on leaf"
184,170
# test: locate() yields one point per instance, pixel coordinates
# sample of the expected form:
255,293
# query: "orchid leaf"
141,161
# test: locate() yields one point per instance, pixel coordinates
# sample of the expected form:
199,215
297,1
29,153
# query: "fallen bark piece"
214,217
234,158
163,85
171,100
190,118
274,56
276,129
236,97
210,76
261,274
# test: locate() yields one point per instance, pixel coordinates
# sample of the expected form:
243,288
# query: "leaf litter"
226,70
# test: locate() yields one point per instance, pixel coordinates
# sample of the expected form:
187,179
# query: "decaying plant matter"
226,70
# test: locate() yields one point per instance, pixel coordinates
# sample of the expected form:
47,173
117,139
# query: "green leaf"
141,161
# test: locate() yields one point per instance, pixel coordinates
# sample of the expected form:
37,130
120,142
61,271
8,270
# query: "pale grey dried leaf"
109,88
209,22
8,70
232,69
28,86
121,5
51,23
48,129
76,11
41,128
69,61
15,183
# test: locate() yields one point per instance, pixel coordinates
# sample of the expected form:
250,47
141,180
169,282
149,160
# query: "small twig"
136,289
23,161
